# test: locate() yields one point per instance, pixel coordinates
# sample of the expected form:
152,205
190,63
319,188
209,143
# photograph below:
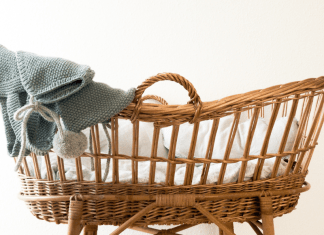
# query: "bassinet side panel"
115,201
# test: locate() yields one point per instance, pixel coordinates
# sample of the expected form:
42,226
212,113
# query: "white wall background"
222,47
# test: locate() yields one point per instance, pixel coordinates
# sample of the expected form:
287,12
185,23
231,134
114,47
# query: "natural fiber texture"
23,114
113,213
9,73
142,204
95,103
58,85
49,80
69,144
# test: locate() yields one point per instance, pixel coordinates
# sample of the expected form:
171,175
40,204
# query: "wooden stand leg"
75,213
90,230
267,215
133,219
255,228
229,225
163,231
213,219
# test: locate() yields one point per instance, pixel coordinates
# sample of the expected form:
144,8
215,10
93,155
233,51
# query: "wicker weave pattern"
111,212
161,203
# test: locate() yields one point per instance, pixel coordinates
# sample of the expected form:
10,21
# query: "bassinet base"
50,201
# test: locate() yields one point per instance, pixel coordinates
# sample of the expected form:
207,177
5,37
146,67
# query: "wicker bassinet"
87,204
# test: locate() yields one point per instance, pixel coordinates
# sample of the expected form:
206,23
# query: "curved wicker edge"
155,97
220,200
169,114
206,197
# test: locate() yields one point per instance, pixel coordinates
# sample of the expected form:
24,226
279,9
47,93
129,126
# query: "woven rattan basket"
87,204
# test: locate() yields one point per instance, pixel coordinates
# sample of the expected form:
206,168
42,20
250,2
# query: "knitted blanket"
60,85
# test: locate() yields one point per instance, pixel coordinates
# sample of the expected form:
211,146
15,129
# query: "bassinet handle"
194,97
155,97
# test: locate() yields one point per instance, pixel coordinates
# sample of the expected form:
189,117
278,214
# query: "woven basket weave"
87,204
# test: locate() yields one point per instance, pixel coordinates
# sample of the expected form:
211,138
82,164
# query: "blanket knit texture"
63,86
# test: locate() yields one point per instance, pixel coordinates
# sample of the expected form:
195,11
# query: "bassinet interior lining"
145,143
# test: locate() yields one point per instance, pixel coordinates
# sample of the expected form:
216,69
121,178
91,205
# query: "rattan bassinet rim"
166,115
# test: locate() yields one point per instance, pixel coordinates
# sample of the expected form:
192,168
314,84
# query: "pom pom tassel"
67,144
